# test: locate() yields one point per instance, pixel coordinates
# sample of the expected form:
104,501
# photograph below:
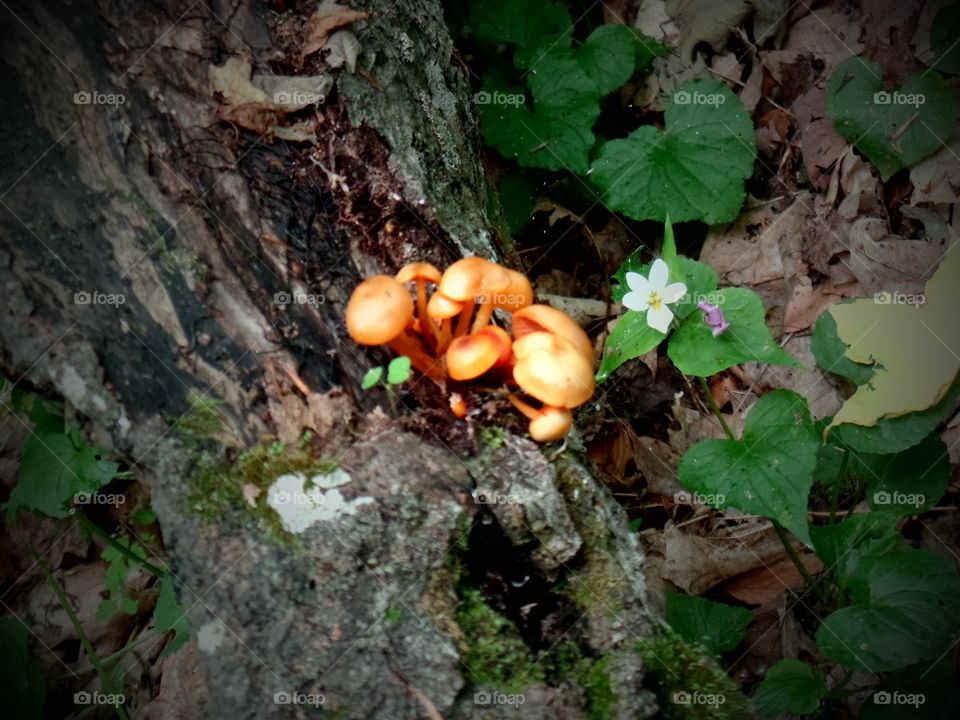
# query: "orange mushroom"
440,310
470,356
539,318
421,273
471,280
519,294
379,312
546,424
551,369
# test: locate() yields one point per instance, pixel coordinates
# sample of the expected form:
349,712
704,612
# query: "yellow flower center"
654,301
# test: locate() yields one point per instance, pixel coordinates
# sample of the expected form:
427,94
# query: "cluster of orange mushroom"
445,324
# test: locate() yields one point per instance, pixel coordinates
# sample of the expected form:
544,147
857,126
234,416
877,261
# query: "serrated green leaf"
911,481
944,34
21,680
371,378
904,610
533,26
695,351
609,56
556,134
718,627
168,615
830,352
54,467
790,687
398,371
894,129
898,484
768,471
843,546
647,49
694,170
630,338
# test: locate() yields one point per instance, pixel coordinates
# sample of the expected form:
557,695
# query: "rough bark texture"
198,223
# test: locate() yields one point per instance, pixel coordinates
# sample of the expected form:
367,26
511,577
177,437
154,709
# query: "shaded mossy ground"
496,656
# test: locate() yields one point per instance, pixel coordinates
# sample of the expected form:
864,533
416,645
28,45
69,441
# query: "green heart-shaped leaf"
904,610
556,134
694,170
894,128
843,546
789,687
718,627
533,26
768,471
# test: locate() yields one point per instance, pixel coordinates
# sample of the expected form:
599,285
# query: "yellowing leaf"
912,341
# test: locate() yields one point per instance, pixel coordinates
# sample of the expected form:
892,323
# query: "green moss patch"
688,684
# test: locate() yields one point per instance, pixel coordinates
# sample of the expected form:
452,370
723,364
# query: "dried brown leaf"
329,17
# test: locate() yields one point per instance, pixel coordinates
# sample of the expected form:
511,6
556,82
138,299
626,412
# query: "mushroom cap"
552,424
440,307
470,356
551,369
379,310
473,276
418,270
538,318
518,295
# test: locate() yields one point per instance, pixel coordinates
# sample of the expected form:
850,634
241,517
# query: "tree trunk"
197,213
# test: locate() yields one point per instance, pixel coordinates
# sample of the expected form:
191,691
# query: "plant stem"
116,656
714,409
839,690
119,547
105,680
795,559
392,398
835,491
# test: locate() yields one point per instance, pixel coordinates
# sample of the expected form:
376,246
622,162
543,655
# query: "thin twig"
105,680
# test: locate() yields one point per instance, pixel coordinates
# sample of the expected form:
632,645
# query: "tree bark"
198,222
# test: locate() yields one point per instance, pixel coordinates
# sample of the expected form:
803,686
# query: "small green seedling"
398,372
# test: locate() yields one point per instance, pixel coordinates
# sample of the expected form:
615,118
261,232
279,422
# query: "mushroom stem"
406,344
430,336
531,412
483,314
548,424
463,321
443,336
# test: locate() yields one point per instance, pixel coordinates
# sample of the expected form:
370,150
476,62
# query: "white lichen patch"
300,503
210,636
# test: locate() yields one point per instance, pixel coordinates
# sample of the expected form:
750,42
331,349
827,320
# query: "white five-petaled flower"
653,295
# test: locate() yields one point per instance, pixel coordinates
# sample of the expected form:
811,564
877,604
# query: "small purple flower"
713,316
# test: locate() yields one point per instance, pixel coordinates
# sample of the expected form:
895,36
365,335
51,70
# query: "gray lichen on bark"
433,139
